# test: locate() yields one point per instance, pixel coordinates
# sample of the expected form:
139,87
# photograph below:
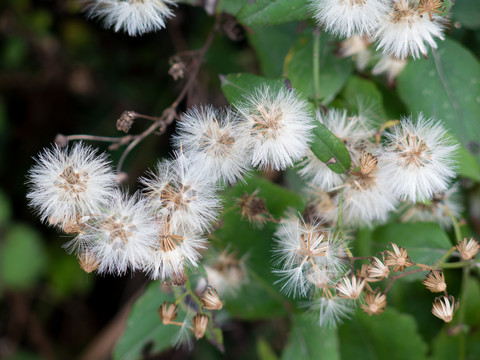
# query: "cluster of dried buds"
197,324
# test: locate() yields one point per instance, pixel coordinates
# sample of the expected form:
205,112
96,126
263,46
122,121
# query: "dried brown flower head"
254,209
88,262
199,322
444,307
377,270
435,281
350,287
210,299
168,312
468,249
398,260
375,303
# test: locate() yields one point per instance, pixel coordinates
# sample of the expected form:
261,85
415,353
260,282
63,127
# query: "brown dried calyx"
88,262
210,299
199,322
435,281
254,209
125,121
168,312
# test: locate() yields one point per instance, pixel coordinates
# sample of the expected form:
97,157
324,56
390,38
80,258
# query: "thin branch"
393,279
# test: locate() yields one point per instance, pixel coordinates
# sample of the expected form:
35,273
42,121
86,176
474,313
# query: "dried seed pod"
398,260
199,322
377,270
468,249
435,281
210,299
168,312
375,303
444,307
350,287
88,262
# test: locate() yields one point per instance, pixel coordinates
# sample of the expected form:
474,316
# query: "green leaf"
270,12
272,43
362,96
236,86
259,298
447,346
333,71
265,351
22,257
467,165
390,335
310,341
446,87
467,12
144,326
426,243
330,149
231,6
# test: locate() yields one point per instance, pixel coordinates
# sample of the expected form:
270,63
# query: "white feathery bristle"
120,238
177,190
440,209
418,159
135,17
214,138
69,183
332,311
352,130
175,249
349,17
357,47
279,123
391,66
406,32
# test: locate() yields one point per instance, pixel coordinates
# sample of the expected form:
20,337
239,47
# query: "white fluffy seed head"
307,254
279,123
121,237
135,17
418,159
331,310
358,48
177,190
349,17
175,249
406,32
214,138
69,183
354,131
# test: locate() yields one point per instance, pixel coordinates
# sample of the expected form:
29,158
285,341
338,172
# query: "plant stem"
461,312
316,62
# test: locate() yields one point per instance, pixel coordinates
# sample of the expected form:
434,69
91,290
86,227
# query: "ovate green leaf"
330,149
270,12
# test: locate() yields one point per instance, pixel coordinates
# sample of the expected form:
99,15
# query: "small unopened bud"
168,312
210,299
61,140
88,262
375,303
398,260
177,68
125,121
468,249
350,287
199,323
444,307
435,281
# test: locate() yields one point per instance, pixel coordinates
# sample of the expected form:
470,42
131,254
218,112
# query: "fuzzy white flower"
120,238
353,131
366,194
391,66
280,124
349,17
357,47
135,17
69,183
406,31
418,159
178,190
439,209
308,255
214,138
174,249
